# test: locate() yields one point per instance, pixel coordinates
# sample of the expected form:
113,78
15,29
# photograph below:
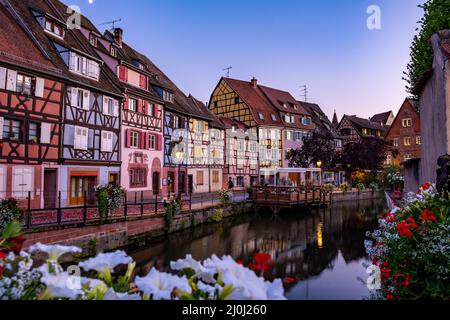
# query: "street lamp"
319,164
180,156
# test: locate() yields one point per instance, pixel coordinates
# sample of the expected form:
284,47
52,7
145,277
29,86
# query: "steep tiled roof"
18,48
381,117
214,120
73,39
256,101
283,101
229,123
320,118
365,123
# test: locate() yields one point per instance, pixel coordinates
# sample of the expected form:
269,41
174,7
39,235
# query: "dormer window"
274,117
285,105
113,51
261,116
84,66
53,28
306,121
138,65
93,40
168,96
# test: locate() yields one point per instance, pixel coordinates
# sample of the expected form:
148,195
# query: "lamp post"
319,165
180,157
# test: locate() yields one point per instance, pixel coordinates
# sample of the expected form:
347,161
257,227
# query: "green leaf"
226,292
12,230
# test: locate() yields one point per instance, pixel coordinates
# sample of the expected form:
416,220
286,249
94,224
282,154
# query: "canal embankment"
141,231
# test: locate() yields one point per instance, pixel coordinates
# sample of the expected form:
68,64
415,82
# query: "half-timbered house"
297,122
206,151
355,130
90,143
30,114
141,113
241,154
245,101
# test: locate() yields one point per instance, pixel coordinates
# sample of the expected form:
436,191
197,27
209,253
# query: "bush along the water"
9,212
412,248
172,207
344,187
329,187
215,278
361,187
224,197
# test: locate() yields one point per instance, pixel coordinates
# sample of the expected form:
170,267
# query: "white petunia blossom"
54,252
62,286
111,295
106,261
161,285
186,263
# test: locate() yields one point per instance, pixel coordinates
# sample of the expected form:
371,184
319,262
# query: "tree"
369,154
319,146
436,17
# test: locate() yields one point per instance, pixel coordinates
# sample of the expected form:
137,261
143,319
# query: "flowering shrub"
412,248
344,187
374,186
172,207
224,196
213,279
9,212
110,197
329,187
361,187
395,178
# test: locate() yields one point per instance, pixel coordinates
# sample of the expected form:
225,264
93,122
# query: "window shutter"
125,104
159,142
86,96
122,73
106,144
142,80
105,105
84,66
116,108
2,182
2,121
3,72
73,61
142,144
45,132
155,110
11,80
85,138
139,105
73,93
127,138
145,107
39,91
147,140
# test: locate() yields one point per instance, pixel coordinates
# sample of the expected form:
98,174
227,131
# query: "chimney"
118,35
254,82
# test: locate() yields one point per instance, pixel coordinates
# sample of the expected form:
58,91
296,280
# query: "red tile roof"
281,98
255,99
229,123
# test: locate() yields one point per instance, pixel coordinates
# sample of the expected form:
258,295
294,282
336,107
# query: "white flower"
54,252
161,285
62,285
246,284
186,263
92,283
106,261
112,295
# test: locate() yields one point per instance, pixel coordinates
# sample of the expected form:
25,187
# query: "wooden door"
50,188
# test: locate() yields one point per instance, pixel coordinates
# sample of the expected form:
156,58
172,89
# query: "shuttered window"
12,130
80,98
22,182
46,129
215,177
33,132
200,181
84,66
81,138
110,106
107,141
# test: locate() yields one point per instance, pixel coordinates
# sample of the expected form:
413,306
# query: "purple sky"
285,44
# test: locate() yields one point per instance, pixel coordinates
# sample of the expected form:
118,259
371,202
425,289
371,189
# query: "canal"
322,250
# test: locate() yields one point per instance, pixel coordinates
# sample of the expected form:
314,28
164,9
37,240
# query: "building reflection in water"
303,245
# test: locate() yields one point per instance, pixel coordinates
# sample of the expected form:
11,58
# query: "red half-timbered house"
30,114
90,143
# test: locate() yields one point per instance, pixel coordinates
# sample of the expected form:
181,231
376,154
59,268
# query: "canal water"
322,250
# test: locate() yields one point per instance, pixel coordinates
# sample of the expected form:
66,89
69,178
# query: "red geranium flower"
427,215
2,257
425,186
390,217
390,296
289,280
262,263
240,262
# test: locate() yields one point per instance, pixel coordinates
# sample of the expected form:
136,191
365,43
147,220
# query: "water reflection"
322,250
